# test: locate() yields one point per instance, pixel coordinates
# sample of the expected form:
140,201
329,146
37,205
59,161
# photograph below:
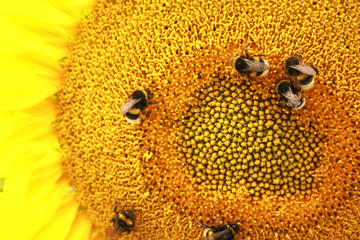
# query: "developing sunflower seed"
256,145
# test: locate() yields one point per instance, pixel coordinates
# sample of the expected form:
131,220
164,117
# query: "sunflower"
217,146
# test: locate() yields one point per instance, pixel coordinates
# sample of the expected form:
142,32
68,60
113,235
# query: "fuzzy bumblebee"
251,66
290,94
220,232
302,73
136,103
124,221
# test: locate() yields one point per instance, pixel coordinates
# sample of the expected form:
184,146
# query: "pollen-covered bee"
290,94
124,221
251,66
220,232
137,102
302,73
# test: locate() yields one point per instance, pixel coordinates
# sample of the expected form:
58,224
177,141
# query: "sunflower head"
216,146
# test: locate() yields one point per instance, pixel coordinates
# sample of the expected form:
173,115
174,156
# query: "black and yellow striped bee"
302,73
220,232
124,221
251,66
137,102
290,94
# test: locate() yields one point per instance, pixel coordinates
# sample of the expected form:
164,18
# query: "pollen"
216,146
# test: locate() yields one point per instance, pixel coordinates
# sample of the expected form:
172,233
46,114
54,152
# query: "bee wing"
304,68
255,66
292,98
128,105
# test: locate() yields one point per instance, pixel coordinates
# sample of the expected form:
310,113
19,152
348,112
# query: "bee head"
129,214
234,226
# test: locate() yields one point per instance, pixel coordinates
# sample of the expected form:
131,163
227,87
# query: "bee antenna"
201,224
246,50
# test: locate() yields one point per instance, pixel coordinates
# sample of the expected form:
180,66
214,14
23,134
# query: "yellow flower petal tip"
81,228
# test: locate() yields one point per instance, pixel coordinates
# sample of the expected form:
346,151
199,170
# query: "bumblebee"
251,66
290,94
137,102
124,221
302,73
220,232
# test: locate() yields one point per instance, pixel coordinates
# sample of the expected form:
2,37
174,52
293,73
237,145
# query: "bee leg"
289,108
203,225
143,111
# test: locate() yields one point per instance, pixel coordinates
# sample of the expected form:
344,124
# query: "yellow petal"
34,42
27,87
7,126
65,13
26,131
80,230
40,205
48,170
11,200
61,222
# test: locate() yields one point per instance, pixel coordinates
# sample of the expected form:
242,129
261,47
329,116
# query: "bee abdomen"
263,73
133,116
307,82
306,79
